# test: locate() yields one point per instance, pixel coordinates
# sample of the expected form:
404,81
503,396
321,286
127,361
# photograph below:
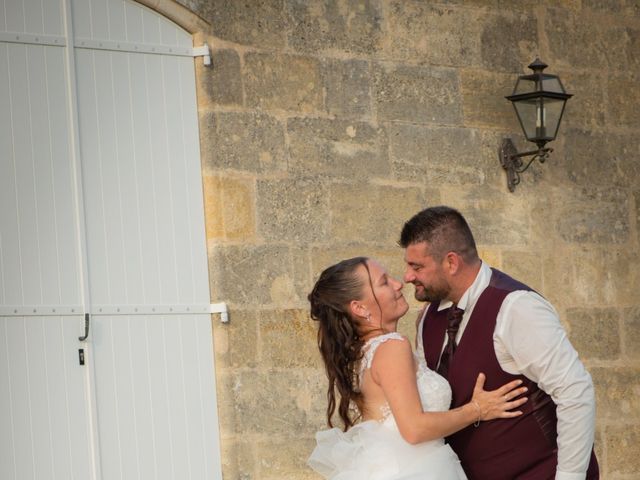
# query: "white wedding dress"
375,450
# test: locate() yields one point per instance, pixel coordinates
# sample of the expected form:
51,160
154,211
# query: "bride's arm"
393,369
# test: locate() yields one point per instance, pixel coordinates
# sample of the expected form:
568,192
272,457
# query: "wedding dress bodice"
434,390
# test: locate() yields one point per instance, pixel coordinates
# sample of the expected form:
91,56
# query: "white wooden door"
102,213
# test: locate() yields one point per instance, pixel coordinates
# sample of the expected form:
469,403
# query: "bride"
394,409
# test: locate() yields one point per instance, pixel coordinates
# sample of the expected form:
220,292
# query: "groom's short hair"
444,229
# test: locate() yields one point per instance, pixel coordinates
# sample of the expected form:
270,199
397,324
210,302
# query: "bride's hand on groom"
499,403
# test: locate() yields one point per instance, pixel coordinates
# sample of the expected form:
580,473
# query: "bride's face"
391,304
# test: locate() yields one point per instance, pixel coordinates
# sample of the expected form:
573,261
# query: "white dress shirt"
529,340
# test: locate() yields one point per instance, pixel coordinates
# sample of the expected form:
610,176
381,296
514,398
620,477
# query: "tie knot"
455,317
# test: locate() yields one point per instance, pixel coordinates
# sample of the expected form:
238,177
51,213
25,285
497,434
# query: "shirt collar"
471,295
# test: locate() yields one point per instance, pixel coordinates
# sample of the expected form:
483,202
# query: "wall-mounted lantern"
539,100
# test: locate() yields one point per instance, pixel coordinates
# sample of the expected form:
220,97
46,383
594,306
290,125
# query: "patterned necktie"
454,317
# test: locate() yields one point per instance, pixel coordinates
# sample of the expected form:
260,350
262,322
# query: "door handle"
86,328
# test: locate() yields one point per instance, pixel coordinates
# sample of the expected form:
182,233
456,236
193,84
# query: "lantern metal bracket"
512,162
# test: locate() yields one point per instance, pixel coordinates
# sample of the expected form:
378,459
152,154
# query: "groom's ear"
452,263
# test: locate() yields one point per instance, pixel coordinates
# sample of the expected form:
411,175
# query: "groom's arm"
530,340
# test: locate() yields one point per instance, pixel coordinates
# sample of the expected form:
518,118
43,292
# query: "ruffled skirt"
376,451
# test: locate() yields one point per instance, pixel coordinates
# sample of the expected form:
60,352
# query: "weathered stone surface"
432,34
436,156
283,82
624,97
229,207
222,85
259,22
495,218
591,215
236,342
288,339
251,142
483,95
337,148
584,42
293,210
371,213
595,332
620,8
417,94
286,459
509,41
622,450
347,88
524,266
239,460
617,393
253,275
609,158
631,332
350,26
585,110
275,402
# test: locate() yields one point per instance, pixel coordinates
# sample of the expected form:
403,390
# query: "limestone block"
631,332
608,157
320,26
253,275
432,34
622,450
623,96
370,213
627,8
229,207
251,142
288,339
591,215
283,82
260,23
294,210
636,197
417,94
525,266
483,95
236,342
496,217
509,41
586,109
617,394
337,148
581,275
436,155
584,41
347,89
221,84
274,402
595,332
286,459
239,460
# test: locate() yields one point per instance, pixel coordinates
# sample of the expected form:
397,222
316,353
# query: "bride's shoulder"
386,344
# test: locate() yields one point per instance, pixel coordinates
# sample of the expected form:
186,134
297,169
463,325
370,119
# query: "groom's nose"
409,276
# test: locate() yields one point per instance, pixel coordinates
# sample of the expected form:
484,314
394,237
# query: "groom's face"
426,273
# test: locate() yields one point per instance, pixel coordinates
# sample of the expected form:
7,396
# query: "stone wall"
326,124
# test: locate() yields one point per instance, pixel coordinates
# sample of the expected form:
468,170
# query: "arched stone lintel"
178,14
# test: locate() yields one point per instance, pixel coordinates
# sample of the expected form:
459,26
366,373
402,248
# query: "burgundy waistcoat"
522,448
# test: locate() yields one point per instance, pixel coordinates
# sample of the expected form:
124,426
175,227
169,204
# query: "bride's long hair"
339,339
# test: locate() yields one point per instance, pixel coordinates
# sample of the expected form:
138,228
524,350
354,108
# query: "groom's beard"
430,294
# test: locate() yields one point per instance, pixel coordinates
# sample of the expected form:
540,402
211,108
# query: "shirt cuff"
570,476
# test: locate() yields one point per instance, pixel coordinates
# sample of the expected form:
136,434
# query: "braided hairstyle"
339,339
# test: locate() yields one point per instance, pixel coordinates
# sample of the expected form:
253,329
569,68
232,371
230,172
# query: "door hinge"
203,51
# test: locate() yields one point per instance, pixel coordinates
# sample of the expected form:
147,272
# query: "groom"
481,320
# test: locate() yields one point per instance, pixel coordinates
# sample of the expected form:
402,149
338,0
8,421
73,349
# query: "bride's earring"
368,317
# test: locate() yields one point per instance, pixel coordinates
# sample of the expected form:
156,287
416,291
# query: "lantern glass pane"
524,85
553,114
551,83
527,111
